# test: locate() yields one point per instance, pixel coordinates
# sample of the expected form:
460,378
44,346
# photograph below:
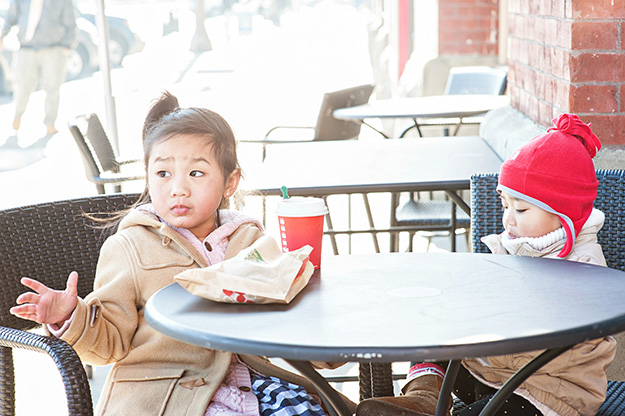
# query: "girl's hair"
165,119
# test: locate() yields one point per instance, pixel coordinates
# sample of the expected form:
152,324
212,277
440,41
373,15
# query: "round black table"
409,307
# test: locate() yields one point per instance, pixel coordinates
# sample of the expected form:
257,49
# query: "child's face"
522,219
186,183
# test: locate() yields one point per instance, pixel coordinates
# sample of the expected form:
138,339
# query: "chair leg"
382,379
100,189
330,227
376,243
7,382
452,231
89,371
364,380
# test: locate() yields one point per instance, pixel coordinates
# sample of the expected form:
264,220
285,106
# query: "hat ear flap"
568,243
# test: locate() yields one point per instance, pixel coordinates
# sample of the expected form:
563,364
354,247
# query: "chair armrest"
288,127
267,140
73,376
115,179
130,161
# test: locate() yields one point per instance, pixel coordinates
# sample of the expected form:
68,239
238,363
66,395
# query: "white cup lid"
299,206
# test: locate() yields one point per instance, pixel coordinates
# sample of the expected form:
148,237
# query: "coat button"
244,388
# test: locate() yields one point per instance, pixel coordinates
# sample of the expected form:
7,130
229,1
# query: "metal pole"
105,69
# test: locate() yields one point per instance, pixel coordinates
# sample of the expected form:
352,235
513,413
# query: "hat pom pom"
572,125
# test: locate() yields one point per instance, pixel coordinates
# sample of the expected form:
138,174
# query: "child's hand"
47,306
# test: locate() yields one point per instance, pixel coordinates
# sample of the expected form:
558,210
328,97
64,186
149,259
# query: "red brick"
594,99
610,129
594,35
598,9
598,67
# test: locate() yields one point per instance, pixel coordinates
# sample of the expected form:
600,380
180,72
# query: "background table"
409,307
436,106
359,166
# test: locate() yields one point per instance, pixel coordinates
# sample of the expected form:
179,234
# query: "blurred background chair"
486,215
99,159
46,242
465,80
432,215
443,215
327,127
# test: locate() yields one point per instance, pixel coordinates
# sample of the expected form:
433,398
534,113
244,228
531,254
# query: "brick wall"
468,27
567,56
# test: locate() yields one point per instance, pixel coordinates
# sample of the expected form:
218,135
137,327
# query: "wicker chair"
486,219
46,242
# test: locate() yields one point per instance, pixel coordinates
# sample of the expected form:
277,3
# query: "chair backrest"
486,211
330,128
96,138
92,169
46,242
476,80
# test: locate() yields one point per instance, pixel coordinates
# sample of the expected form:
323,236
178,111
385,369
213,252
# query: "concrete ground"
271,77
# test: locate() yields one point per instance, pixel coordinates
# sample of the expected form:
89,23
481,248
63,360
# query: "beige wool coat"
574,383
152,374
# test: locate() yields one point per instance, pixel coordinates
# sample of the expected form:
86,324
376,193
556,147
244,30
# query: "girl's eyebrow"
200,159
162,159
193,159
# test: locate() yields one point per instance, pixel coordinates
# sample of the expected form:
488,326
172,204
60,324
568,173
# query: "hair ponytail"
161,107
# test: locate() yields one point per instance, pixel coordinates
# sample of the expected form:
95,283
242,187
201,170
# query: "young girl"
547,191
179,222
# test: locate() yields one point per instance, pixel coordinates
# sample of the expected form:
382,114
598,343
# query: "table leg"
519,377
333,402
394,241
447,387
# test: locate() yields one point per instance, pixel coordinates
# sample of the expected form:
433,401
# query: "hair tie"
571,124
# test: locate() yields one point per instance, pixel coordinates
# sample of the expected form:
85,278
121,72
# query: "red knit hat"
555,172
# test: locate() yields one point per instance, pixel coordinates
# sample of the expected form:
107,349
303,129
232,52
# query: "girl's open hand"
45,305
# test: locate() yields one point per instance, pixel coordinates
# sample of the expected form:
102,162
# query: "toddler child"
547,190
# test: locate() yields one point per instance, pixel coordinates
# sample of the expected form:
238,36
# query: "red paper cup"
301,223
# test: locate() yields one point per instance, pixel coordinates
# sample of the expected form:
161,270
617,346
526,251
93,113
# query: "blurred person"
46,32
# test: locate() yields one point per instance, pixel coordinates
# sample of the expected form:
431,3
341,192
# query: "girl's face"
186,183
522,219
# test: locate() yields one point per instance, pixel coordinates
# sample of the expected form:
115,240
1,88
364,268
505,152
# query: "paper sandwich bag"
260,273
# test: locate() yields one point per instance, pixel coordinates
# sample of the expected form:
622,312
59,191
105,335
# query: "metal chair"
46,242
327,127
463,81
429,215
486,215
99,159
